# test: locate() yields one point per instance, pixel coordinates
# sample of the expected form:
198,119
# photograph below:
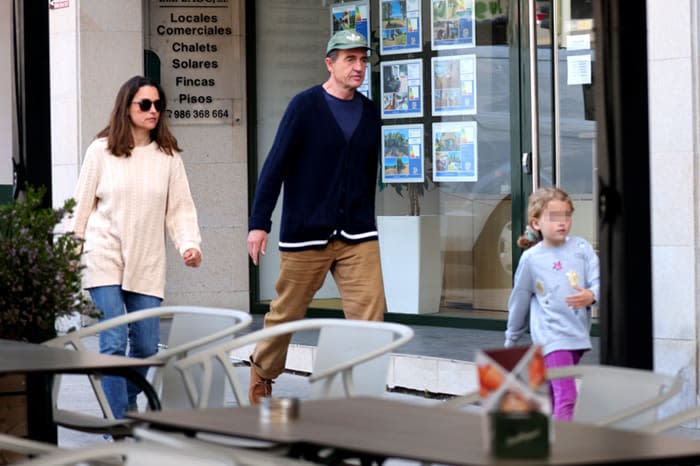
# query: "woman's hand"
192,257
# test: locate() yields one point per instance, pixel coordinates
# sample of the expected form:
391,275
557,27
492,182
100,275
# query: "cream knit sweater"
124,205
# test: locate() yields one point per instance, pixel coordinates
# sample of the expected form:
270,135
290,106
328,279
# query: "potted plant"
411,254
39,269
40,281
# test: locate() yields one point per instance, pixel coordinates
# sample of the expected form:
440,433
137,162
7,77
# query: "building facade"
462,137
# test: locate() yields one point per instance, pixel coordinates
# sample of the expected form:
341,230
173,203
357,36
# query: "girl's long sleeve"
519,303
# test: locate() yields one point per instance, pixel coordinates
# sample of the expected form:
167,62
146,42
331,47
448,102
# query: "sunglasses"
145,105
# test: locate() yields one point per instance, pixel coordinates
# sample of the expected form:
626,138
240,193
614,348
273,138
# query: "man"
325,153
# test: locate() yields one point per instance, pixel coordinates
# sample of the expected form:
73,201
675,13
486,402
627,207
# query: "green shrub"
39,269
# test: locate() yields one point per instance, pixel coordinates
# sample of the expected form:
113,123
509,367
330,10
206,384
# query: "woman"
132,187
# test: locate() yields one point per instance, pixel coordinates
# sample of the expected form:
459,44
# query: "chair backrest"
678,419
337,345
338,354
192,324
193,328
619,397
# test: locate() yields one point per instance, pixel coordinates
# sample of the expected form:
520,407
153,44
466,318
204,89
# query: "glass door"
559,130
561,125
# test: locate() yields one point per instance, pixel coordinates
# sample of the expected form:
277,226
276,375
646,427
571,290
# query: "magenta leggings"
563,390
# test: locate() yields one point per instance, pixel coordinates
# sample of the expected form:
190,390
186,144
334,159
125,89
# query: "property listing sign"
454,85
402,88
454,151
452,24
402,154
193,41
351,15
400,26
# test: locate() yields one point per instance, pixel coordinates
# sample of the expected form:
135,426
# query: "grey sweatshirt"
543,280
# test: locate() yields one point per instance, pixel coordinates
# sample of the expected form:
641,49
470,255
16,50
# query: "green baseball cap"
346,39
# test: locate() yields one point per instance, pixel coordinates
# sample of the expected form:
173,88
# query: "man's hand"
582,298
257,244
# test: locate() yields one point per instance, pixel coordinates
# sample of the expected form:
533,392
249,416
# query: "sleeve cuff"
189,245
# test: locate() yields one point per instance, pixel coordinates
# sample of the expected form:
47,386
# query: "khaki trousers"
357,272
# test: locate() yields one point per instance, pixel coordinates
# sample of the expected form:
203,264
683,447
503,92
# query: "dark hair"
120,141
537,203
333,55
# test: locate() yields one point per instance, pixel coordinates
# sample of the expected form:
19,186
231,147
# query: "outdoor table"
18,357
378,428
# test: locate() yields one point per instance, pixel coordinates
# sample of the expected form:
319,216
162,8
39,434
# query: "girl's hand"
192,257
582,298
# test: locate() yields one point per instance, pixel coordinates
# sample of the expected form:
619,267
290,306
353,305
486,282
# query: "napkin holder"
515,400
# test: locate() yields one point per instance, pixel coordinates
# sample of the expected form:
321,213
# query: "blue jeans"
142,337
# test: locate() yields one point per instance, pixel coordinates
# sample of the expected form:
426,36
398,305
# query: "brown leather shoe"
259,387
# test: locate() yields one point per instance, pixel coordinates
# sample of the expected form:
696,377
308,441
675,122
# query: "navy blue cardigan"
329,183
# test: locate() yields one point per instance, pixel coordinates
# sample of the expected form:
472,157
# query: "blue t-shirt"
346,112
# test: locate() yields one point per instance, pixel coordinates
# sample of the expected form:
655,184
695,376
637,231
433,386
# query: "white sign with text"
193,40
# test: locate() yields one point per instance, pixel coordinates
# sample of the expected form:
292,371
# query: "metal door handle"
526,162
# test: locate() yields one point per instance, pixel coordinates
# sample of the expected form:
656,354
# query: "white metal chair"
352,358
25,446
670,422
132,454
618,397
611,396
242,455
193,328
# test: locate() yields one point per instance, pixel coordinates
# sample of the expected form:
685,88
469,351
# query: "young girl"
556,282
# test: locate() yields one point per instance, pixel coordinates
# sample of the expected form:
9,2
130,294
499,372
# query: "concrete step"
406,371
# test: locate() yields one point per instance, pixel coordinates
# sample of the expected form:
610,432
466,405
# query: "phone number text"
198,114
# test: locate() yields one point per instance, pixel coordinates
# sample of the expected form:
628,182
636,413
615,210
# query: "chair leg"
332,457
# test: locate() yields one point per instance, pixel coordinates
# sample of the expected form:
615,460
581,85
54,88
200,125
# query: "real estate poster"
402,154
452,24
351,15
455,151
402,88
400,26
454,85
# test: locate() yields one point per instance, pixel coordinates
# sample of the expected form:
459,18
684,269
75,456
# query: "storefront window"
443,73
466,127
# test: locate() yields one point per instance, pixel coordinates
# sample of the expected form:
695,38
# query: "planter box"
412,265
